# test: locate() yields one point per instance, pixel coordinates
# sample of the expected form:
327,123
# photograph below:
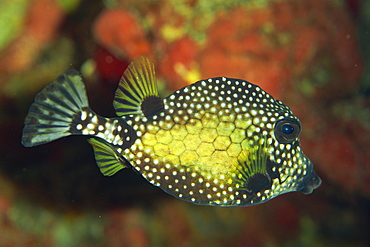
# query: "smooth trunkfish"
219,141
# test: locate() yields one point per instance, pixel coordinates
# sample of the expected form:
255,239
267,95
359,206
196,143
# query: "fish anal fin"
137,92
107,159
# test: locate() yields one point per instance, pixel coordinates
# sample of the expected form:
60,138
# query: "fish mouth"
309,183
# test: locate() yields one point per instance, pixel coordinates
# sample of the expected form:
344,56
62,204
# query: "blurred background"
311,54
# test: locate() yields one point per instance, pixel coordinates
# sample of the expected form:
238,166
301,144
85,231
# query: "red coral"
119,31
109,67
181,54
287,40
338,158
340,155
125,227
237,48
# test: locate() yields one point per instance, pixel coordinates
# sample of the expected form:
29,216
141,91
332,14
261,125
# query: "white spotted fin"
137,92
61,109
50,116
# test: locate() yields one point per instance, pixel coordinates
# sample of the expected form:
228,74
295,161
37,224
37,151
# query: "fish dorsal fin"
137,92
108,160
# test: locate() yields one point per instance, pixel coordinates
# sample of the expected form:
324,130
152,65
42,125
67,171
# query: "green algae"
55,58
201,15
197,16
69,5
12,18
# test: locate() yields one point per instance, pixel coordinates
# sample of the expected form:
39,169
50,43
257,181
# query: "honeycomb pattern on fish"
192,149
219,141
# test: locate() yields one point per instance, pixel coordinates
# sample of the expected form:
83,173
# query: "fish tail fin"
56,111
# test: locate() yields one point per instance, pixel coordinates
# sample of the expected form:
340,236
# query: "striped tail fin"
55,109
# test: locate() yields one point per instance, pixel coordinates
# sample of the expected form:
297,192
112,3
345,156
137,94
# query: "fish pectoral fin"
107,159
137,92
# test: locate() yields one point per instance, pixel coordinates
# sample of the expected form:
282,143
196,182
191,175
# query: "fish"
217,142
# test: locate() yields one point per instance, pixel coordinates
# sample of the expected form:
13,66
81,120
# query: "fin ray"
137,85
107,159
44,108
54,108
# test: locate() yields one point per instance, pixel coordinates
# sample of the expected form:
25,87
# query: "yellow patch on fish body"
219,141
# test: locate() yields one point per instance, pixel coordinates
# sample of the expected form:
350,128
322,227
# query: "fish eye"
287,130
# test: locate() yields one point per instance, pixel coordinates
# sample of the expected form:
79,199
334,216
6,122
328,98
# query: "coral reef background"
311,54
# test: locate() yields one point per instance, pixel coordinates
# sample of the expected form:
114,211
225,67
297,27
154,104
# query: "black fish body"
219,141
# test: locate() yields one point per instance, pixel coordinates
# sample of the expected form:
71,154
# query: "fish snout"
309,183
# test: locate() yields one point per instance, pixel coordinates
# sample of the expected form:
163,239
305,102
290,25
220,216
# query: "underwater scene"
239,123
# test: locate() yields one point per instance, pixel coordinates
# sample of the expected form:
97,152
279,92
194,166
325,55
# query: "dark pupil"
287,129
